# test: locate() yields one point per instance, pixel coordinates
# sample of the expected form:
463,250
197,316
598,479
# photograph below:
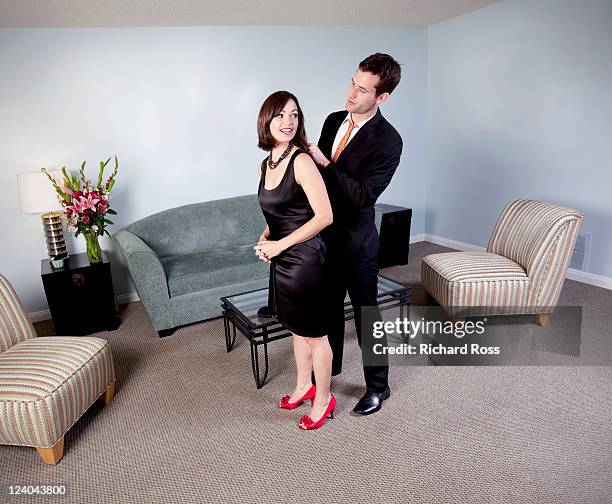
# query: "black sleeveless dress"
297,273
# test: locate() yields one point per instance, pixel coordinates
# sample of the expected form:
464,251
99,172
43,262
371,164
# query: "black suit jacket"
356,180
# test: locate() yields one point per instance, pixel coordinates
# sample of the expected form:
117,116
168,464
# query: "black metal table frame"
262,334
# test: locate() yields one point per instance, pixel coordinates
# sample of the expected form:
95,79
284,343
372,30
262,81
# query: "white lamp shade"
36,193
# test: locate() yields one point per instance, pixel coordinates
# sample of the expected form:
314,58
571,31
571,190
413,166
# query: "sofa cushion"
213,268
46,384
194,228
475,279
474,267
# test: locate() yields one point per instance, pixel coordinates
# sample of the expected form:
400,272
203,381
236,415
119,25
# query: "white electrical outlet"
582,252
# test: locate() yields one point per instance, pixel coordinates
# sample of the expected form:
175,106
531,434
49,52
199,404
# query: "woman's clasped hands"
266,250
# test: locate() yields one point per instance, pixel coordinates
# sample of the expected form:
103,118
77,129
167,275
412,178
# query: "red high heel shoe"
310,394
307,423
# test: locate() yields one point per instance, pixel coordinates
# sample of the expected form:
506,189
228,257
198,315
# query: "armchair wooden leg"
54,454
543,320
427,297
108,395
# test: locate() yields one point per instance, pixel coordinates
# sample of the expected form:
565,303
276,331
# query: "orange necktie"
344,140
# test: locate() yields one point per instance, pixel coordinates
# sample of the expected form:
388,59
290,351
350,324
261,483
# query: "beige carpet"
188,425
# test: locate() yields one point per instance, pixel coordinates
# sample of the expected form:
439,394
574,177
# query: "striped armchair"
46,384
522,270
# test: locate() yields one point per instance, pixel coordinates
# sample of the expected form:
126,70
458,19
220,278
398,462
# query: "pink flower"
85,219
90,201
102,206
73,221
76,207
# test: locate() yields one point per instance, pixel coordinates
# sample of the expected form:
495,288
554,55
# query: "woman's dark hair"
272,106
387,69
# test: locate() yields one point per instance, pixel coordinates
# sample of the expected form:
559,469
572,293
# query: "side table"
394,234
240,312
80,296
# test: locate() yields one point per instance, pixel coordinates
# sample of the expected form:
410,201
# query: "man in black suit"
357,153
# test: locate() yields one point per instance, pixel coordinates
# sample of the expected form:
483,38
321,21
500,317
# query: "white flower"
71,229
95,228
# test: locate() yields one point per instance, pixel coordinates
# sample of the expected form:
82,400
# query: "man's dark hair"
271,107
387,69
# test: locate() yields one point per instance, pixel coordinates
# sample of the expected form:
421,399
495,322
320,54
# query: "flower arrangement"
86,205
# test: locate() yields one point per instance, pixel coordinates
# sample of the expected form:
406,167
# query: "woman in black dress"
295,204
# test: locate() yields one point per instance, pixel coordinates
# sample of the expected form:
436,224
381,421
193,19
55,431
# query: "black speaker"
394,235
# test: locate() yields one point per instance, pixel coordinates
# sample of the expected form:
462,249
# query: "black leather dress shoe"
371,402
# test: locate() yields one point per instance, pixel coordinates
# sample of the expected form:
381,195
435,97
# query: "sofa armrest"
148,276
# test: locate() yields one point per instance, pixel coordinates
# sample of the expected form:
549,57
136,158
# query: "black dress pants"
360,279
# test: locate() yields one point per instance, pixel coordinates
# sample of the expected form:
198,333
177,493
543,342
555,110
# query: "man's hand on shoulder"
317,156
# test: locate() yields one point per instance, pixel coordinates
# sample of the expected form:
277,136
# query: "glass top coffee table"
240,313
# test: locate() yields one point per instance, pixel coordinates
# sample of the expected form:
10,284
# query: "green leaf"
82,172
67,181
100,175
63,195
108,221
110,186
111,211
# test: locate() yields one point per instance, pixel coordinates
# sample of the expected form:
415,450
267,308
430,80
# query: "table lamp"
37,195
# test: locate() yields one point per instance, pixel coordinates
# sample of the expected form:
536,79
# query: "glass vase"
94,252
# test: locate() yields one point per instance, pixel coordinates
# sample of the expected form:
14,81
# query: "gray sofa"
184,259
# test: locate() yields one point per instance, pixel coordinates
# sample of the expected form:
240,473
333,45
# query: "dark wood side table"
394,235
80,296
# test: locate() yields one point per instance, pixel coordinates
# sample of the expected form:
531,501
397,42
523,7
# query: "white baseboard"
589,278
446,242
39,316
576,275
130,297
417,238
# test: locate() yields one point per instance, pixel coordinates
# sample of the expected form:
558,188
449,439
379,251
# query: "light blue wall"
513,100
520,106
179,108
